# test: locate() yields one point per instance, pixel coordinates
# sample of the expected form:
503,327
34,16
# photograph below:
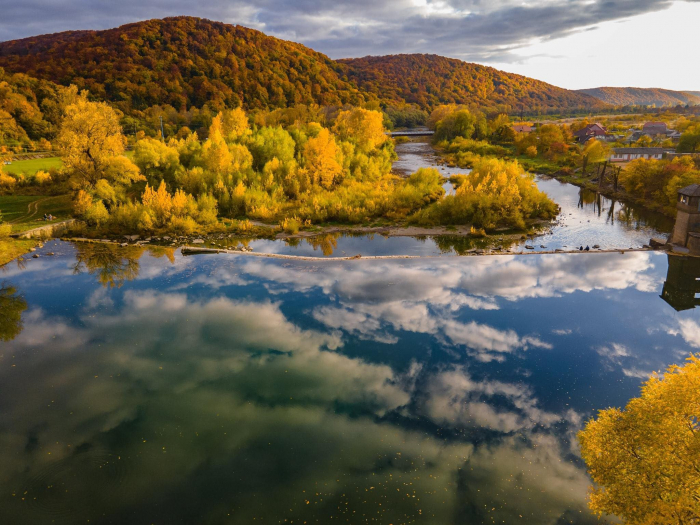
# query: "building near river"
628,154
591,131
686,232
654,128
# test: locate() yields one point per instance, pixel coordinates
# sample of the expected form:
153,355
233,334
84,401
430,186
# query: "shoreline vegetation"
463,139
305,171
297,169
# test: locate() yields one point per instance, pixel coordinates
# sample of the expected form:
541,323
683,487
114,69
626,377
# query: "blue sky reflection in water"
219,389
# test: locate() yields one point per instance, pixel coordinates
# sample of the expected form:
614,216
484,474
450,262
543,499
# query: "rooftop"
691,191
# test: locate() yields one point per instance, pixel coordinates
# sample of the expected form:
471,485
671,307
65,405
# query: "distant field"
26,212
30,167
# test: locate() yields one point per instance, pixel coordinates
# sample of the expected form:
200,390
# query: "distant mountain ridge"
187,61
429,80
629,96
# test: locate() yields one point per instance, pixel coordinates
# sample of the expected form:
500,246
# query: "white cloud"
688,330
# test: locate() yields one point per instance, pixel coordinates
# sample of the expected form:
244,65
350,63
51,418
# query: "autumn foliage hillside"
630,96
186,62
183,62
431,80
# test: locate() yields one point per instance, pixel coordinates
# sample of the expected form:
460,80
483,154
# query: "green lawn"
12,248
30,167
26,212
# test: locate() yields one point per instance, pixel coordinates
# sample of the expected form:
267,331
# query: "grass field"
26,212
30,167
12,248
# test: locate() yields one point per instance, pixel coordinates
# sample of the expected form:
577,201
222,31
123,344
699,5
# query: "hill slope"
429,80
183,62
628,96
30,109
186,61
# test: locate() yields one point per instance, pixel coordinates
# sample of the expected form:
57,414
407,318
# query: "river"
141,386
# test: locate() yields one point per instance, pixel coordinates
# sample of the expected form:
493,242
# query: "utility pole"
162,133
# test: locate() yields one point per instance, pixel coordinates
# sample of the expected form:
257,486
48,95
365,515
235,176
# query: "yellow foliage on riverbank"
495,194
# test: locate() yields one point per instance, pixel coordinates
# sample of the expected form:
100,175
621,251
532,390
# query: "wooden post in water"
602,175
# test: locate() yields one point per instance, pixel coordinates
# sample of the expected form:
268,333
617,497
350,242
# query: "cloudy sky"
570,43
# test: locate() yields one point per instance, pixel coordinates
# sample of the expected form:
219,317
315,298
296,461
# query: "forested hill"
430,80
629,96
186,61
183,62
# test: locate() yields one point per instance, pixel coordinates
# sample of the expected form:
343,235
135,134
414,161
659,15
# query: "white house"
628,154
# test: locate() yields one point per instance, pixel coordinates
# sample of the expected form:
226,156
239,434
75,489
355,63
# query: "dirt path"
32,210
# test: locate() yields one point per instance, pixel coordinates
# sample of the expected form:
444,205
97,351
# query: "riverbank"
11,249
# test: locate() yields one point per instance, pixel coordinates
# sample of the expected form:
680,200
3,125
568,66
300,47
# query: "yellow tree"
320,154
596,151
90,137
215,153
232,123
159,202
645,459
362,127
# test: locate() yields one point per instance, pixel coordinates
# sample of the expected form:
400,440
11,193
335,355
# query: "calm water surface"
144,387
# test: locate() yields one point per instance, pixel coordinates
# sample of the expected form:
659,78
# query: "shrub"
42,177
184,225
7,181
97,213
290,225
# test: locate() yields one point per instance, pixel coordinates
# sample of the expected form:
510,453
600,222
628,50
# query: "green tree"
269,143
461,123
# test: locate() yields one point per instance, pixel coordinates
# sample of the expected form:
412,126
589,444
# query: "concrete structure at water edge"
686,232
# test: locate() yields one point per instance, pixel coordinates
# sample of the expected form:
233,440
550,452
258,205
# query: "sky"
570,43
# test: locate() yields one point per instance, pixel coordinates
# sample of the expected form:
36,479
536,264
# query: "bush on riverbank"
659,180
495,194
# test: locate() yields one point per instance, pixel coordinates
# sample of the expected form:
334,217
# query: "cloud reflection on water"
222,381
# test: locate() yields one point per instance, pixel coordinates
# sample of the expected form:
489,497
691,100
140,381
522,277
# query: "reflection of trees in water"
12,304
461,244
586,197
327,242
112,264
631,216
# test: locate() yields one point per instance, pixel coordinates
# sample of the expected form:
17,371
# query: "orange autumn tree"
645,459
